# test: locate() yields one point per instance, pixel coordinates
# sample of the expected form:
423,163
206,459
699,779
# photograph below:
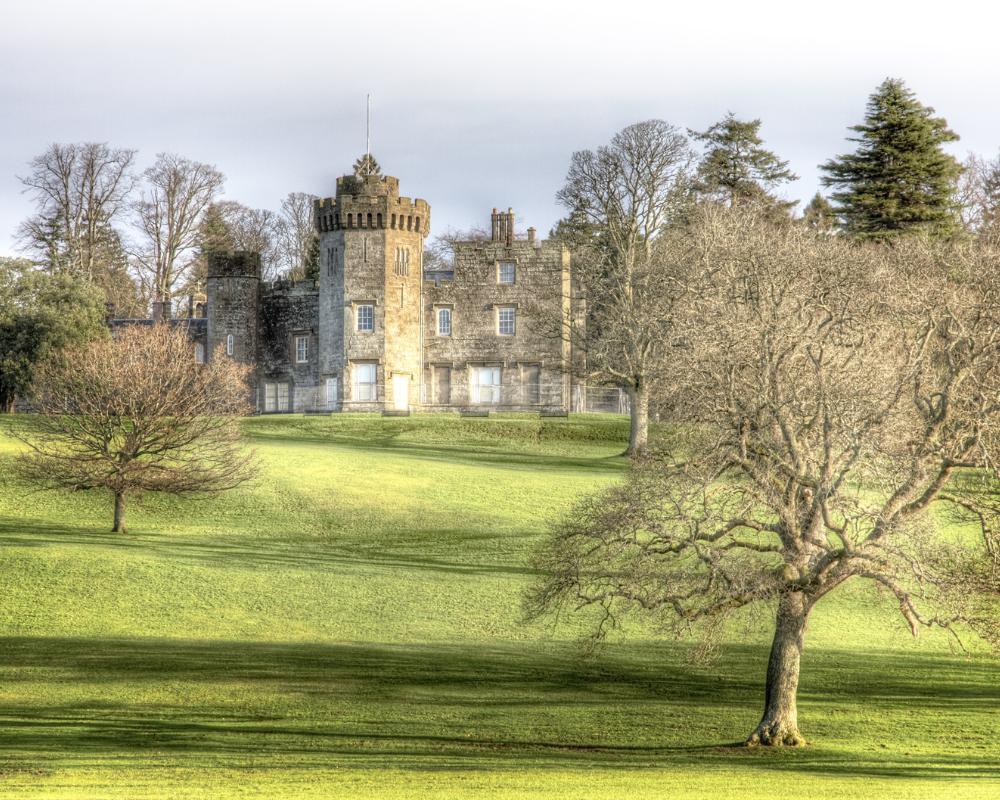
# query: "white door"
401,392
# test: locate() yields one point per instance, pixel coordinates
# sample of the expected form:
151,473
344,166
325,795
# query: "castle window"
199,353
366,318
505,272
301,349
409,223
379,218
531,383
442,385
229,345
369,220
364,382
393,223
402,262
331,393
505,321
444,322
336,221
364,245
418,223
275,397
350,220
485,385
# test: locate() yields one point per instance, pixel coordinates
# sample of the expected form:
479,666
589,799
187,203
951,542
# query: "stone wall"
290,311
530,360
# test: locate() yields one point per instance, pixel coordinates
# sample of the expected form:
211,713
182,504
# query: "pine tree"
899,181
820,217
737,167
366,165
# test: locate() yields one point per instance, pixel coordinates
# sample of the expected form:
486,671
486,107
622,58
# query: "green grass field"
350,626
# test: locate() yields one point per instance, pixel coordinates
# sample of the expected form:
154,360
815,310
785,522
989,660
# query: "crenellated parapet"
371,203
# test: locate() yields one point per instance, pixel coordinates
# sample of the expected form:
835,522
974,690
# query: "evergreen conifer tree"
737,167
899,181
820,217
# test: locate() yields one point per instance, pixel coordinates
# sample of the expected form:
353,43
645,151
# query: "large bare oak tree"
136,413
829,398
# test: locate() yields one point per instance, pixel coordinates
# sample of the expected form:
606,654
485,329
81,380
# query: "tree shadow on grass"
451,706
244,553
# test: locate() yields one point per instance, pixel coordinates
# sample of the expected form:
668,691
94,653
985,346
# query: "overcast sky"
474,105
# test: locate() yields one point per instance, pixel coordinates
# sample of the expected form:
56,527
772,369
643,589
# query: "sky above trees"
472,106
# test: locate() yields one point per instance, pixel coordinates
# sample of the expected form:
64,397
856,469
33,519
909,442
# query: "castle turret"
233,304
371,257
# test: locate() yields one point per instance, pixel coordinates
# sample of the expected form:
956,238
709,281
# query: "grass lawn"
349,626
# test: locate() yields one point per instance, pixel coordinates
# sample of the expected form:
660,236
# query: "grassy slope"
350,626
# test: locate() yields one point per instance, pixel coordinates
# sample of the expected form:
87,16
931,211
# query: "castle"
377,332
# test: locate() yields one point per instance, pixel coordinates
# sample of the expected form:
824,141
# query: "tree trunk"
780,722
638,435
119,514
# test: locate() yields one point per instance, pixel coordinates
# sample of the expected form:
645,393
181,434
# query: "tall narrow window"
485,385
366,318
364,246
505,321
444,322
270,397
505,272
283,397
364,382
442,385
331,393
229,345
531,383
199,353
301,349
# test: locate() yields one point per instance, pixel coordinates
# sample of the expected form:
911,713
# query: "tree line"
105,235
143,237
898,183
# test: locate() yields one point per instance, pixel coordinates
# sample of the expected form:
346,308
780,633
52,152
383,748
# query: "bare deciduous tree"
978,195
297,237
169,214
79,190
624,194
829,397
136,413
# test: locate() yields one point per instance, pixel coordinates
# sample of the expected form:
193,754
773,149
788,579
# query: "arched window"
380,220
409,223
229,345
199,353
418,223
369,220
393,221
444,322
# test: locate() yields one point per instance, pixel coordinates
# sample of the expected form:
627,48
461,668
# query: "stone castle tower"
371,265
234,311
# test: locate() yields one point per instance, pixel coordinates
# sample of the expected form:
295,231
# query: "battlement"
241,264
368,185
349,211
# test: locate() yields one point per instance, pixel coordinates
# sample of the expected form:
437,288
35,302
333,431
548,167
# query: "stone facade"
370,335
